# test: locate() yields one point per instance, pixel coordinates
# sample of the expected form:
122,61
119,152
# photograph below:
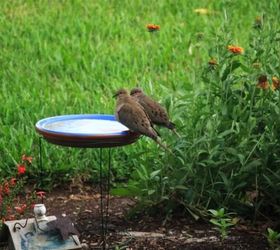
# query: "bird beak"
115,95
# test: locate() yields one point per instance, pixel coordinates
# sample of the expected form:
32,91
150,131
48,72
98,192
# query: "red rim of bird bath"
85,131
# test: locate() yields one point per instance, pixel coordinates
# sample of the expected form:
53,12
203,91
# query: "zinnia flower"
235,49
27,158
275,83
153,27
262,82
21,169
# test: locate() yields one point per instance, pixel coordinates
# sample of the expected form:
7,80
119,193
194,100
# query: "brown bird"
155,111
131,114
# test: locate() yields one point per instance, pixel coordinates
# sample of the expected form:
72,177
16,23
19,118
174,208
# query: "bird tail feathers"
176,133
171,125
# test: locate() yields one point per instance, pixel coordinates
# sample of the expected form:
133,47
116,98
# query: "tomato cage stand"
88,131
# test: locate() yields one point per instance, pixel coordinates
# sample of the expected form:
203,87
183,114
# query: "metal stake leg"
103,236
104,197
41,160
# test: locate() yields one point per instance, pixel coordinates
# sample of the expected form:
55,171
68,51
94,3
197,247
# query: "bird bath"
88,131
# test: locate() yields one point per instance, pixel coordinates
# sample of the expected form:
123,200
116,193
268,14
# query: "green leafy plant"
273,238
222,221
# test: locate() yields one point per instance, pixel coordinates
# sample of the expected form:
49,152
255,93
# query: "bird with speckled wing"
155,111
131,114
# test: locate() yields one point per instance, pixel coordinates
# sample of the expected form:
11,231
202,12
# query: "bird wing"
135,118
157,113
148,117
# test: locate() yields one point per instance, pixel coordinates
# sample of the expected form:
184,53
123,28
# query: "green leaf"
226,132
215,222
253,164
229,69
152,191
123,192
213,211
181,187
154,173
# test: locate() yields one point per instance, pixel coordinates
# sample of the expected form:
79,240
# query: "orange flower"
21,169
275,83
262,82
27,158
235,49
153,27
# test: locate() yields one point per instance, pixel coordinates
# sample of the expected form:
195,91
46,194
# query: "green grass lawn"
69,57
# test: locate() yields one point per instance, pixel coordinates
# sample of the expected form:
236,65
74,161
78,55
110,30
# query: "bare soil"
82,205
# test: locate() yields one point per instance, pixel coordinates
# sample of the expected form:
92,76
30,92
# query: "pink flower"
41,194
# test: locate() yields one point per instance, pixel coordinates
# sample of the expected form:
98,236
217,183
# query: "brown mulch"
82,205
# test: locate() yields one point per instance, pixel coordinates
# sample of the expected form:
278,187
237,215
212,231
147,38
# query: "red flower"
27,158
21,169
153,27
41,194
235,49
13,182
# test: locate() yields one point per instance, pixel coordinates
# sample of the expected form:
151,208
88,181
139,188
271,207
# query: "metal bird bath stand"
88,131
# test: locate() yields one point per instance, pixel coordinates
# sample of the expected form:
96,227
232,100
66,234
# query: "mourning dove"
131,114
155,111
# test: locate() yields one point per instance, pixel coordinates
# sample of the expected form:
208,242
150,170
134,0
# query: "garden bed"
146,232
